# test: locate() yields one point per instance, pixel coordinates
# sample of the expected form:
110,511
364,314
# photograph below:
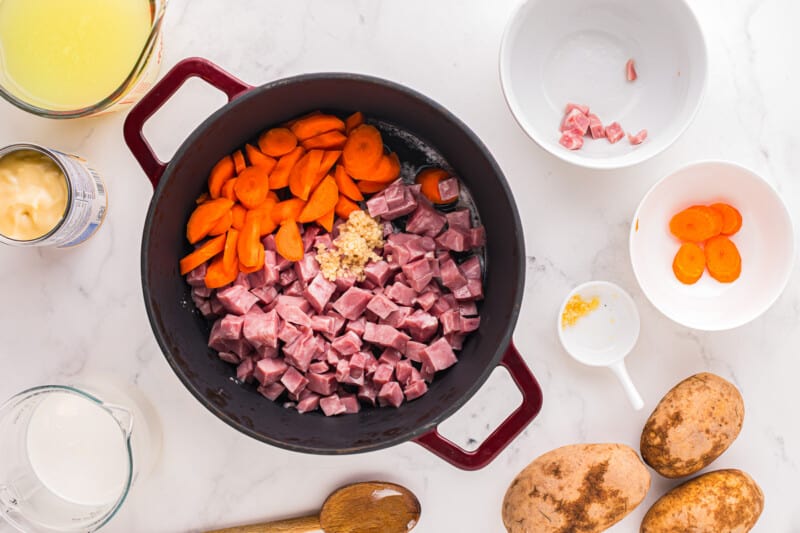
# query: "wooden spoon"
372,507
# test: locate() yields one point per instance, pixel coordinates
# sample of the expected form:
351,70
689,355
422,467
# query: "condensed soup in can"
48,198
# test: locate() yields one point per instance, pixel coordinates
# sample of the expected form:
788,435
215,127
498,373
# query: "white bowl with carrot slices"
712,245
603,83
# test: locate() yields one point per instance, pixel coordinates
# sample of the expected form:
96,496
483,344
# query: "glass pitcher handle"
123,416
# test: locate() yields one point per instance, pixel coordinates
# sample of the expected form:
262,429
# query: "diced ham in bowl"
376,338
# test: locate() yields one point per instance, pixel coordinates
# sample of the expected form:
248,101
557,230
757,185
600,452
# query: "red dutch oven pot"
182,332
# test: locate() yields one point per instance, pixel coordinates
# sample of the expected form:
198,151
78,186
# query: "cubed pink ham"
216,306
426,300
325,241
414,351
384,335
205,309
382,306
241,279
345,282
301,352
269,243
230,357
630,70
415,389
453,239
390,356
596,127
266,276
401,294
367,393
293,380
439,355
403,370
378,272
477,236
471,268
332,405
342,370
383,374
319,292
451,321
397,318
427,373
310,233
287,332
377,205
308,404
469,324
614,132
425,221
638,138
347,344
240,347
266,294
576,120
324,384
323,324
419,274
357,326
231,327
448,189
455,340
397,206
459,219
580,107
572,139
468,308
244,372
358,363
306,268
261,329
269,371
292,313
201,292
197,277
295,289
350,402
287,277
391,394
421,325
452,278
236,299
352,303
472,291
271,391
319,367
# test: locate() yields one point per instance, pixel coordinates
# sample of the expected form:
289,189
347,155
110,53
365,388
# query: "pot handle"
158,96
505,432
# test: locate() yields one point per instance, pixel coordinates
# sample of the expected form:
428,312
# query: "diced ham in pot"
261,329
391,394
352,303
439,355
448,189
272,391
332,405
237,299
269,371
415,389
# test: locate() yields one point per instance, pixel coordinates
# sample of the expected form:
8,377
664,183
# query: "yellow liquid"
64,55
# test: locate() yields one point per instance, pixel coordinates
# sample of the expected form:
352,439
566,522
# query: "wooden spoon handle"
306,524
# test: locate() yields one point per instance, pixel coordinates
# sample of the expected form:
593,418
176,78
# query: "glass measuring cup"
140,79
68,459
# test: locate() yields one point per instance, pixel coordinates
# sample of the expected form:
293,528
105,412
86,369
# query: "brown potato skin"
723,501
692,425
581,488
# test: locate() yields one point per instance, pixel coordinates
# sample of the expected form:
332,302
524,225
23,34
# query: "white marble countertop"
66,313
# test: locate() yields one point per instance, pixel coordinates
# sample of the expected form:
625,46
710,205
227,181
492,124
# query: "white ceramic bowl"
765,242
559,51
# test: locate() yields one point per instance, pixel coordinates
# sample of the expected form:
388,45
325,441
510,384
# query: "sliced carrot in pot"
277,142
289,242
202,254
259,159
222,172
346,184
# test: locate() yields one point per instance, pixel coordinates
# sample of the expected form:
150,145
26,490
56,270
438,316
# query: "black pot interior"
182,332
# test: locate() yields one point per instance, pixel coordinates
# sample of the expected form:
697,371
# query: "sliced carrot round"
723,259
289,242
696,224
363,150
731,218
277,142
689,263
429,179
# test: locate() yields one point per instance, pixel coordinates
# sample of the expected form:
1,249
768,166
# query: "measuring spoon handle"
630,389
306,524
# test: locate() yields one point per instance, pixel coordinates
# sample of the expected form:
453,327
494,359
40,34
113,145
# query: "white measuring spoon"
605,336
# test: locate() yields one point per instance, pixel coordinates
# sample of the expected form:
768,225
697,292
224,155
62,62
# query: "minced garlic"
352,249
578,308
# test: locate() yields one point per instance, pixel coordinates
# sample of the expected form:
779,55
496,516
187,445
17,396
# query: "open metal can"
86,200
